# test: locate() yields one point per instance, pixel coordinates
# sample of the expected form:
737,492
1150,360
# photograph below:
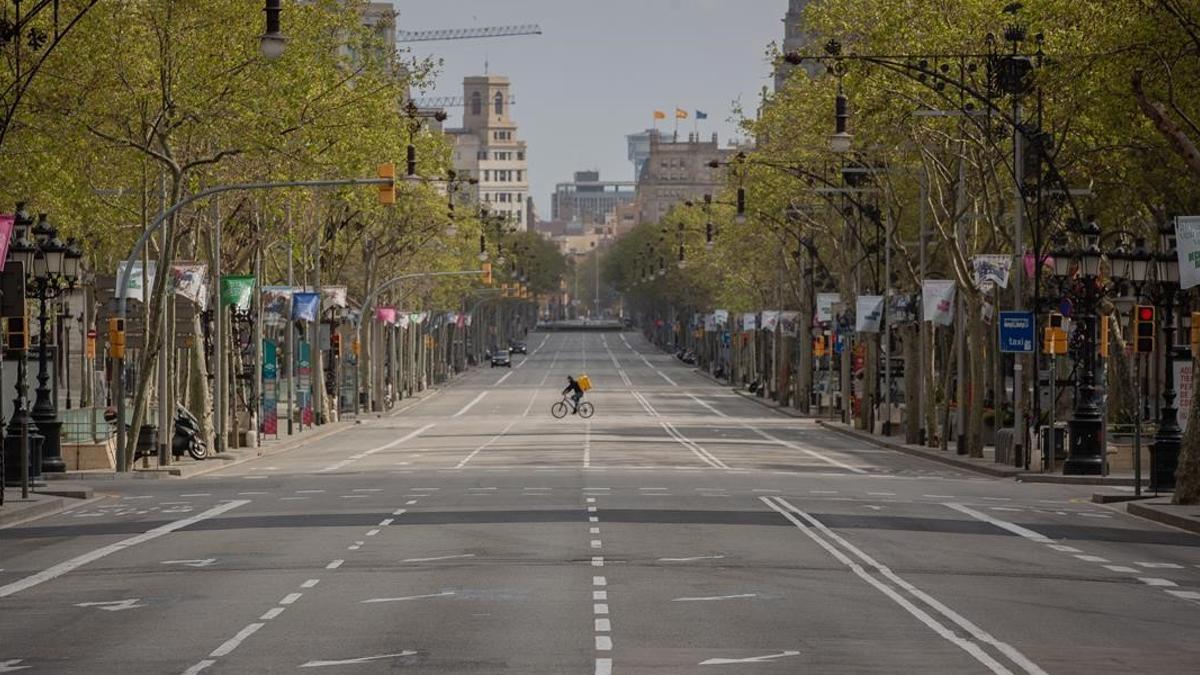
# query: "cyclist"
573,386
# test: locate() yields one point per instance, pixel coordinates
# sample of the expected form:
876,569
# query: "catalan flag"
681,114
660,115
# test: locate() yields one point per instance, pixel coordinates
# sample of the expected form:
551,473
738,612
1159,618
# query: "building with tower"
487,148
795,39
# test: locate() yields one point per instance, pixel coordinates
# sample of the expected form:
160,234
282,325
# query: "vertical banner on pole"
304,383
270,393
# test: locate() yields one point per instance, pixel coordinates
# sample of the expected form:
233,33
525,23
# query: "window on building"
521,156
482,154
498,103
520,175
476,103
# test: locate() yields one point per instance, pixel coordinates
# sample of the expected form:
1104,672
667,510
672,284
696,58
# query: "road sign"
1016,332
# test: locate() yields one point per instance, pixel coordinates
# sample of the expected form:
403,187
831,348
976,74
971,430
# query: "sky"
601,67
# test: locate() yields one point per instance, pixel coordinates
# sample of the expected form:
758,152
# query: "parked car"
501,358
517,347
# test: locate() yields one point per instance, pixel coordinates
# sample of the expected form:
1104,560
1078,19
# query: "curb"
999,471
48,507
1077,480
1146,510
241,455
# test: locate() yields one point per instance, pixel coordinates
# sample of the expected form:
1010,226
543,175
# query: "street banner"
334,296
1017,332
237,290
305,306
868,313
902,308
710,323
385,314
276,299
770,319
749,321
461,320
138,281
6,228
789,323
270,400
993,268
1183,386
1187,247
721,318
403,320
937,300
420,317
1047,264
304,382
825,303
190,281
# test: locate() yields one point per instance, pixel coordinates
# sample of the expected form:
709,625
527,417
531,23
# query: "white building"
487,148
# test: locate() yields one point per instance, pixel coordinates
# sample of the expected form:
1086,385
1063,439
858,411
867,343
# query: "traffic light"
487,274
17,331
387,191
819,346
355,347
116,337
335,346
1143,328
412,160
1054,337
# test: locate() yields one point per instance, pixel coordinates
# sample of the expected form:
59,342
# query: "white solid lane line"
706,404
1002,524
829,540
92,556
704,455
808,451
470,405
717,597
409,597
481,448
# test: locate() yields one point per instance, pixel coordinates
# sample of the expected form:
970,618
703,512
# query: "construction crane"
467,33
449,102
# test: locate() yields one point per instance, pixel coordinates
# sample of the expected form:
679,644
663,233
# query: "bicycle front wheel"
586,410
559,410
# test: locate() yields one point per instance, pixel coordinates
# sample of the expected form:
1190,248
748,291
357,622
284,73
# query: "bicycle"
560,409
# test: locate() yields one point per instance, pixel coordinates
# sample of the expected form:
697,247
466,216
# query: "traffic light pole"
123,280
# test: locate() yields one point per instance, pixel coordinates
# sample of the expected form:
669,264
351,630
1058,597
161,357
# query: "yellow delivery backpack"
585,382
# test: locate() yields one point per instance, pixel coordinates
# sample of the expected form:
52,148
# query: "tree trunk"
912,386
977,344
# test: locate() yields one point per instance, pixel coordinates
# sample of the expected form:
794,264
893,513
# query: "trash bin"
1004,446
1059,441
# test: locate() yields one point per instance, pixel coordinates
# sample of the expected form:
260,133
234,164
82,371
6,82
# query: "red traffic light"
1145,313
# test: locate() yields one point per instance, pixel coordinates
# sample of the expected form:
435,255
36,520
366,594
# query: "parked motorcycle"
186,439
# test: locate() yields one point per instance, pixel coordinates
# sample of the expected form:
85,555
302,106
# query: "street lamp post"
55,270
1164,452
1085,456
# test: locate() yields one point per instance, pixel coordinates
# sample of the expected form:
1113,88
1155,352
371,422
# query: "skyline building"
487,148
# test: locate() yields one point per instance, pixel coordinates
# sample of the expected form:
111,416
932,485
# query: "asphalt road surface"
683,529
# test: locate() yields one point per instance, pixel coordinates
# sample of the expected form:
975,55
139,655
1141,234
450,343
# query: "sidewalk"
42,501
186,467
985,465
1161,510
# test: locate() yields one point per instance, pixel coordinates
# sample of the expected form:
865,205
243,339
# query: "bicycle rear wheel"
586,410
559,410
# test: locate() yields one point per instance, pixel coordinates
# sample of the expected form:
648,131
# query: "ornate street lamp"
20,427
1085,455
1164,452
272,42
47,282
